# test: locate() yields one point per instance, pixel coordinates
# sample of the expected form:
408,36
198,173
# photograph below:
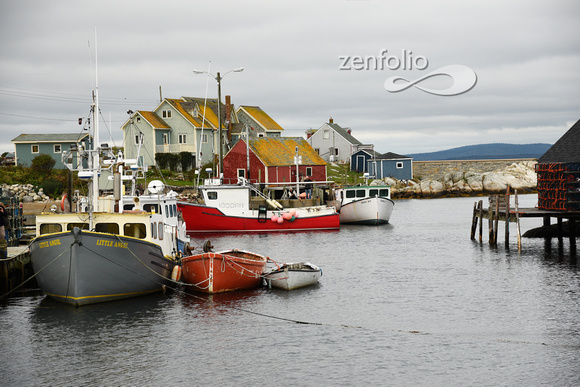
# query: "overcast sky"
525,54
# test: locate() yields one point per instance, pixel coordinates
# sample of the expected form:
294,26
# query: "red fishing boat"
243,208
223,271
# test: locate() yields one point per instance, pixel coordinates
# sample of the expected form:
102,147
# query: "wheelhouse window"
135,230
34,148
154,230
361,193
49,228
109,228
160,225
151,208
384,193
212,195
57,148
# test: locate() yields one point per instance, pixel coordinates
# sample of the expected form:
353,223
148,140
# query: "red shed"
272,160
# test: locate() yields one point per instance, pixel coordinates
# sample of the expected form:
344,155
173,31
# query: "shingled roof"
281,151
391,156
344,133
566,150
50,137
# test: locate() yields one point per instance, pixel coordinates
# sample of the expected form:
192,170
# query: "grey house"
391,165
333,142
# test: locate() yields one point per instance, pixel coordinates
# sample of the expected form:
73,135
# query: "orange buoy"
176,273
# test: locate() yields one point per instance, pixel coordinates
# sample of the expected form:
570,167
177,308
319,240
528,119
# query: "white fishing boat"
293,275
107,247
370,205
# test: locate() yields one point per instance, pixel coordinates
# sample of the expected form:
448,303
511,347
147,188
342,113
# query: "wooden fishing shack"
558,185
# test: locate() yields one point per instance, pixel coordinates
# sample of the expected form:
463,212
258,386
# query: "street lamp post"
218,79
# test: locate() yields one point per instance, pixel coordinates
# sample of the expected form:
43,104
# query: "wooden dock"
15,270
501,210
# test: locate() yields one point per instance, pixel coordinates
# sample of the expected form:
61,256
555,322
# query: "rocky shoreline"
520,176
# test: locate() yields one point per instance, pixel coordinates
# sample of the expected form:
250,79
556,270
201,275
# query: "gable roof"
260,116
343,132
370,152
281,151
153,119
391,156
50,137
566,149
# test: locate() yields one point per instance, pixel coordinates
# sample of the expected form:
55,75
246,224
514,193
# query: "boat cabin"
349,194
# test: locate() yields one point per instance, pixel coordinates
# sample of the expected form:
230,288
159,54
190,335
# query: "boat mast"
95,162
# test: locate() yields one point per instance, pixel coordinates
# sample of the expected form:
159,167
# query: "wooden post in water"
496,220
490,224
507,218
474,221
519,232
480,221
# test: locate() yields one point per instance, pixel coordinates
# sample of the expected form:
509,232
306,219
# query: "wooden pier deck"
500,209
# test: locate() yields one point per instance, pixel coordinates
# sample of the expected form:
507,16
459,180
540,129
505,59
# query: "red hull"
200,218
224,271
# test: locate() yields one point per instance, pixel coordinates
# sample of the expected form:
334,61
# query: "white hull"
373,211
293,276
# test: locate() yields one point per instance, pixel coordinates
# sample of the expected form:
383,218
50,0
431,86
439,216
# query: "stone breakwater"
518,175
27,193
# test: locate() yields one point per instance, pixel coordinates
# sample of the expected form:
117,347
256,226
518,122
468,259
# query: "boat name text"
55,242
103,242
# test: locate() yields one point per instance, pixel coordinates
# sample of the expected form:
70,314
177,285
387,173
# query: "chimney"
229,116
330,121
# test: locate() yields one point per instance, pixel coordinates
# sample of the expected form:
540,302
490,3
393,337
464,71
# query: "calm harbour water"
415,302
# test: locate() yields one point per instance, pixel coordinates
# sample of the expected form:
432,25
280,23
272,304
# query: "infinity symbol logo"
464,79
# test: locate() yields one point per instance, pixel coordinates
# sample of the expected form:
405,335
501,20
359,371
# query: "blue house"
28,146
359,160
391,165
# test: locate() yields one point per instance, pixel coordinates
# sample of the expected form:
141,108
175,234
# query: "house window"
204,138
165,139
57,148
139,139
35,148
166,113
334,151
242,173
399,164
317,150
326,134
261,135
183,138
308,171
138,119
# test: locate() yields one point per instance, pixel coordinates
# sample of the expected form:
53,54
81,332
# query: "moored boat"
228,208
223,271
370,205
109,247
293,275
